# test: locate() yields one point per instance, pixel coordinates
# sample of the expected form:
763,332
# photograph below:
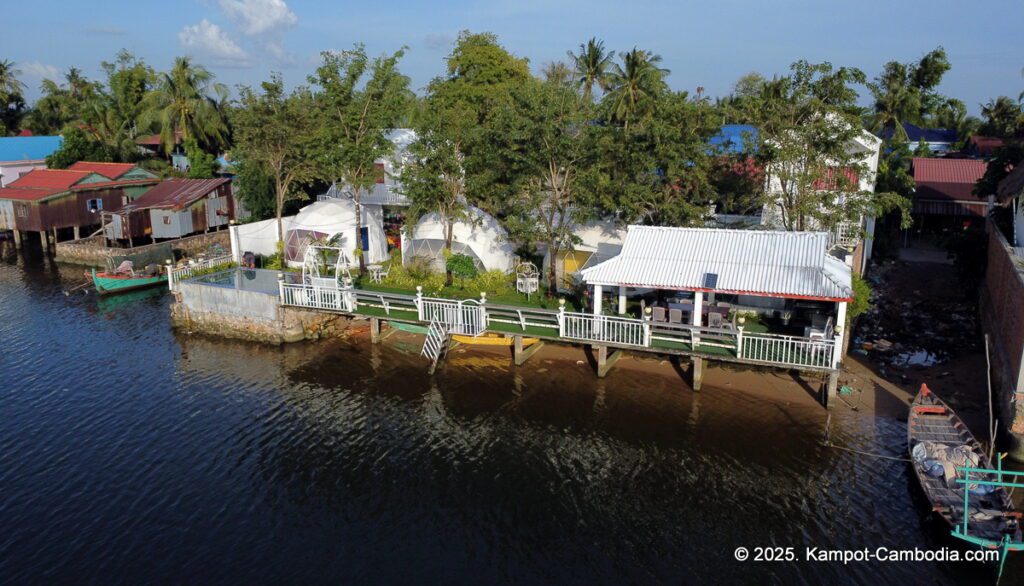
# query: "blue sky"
708,44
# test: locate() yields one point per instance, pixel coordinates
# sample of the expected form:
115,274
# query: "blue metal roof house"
21,154
939,140
734,139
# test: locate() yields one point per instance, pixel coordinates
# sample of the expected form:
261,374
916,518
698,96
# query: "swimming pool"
255,280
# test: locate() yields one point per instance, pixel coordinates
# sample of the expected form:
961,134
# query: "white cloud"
40,71
259,17
210,40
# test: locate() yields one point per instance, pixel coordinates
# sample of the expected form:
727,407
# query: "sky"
704,43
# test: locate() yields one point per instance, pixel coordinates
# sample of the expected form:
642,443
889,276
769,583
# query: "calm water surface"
131,453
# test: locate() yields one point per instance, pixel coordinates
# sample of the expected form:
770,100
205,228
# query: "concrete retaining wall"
248,315
1001,304
92,252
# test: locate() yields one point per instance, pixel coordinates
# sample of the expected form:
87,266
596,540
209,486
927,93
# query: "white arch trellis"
326,266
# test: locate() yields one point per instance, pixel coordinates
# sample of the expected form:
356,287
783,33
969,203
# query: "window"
167,220
94,205
22,211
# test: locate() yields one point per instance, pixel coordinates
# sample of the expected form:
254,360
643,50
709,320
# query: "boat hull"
107,284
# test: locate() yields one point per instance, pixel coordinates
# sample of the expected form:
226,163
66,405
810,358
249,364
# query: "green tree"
12,100
634,86
186,100
808,124
538,146
255,189
62,105
592,66
356,114
905,93
77,146
276,135
462,266
201,164
1003,117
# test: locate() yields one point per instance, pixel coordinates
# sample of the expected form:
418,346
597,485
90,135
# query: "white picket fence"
329,298
465,317
179,274
604,328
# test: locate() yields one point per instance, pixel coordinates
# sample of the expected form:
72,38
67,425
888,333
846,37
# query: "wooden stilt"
374,330
521,354
77,233
605,362
55,240
697,370
17,238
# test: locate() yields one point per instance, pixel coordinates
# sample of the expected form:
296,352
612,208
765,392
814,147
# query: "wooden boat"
107,283
933,427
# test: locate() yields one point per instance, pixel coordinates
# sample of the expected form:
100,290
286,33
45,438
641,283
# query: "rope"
873,455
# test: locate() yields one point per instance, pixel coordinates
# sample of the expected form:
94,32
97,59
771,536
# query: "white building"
598,242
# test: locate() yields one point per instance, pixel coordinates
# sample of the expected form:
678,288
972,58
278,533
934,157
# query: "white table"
375,271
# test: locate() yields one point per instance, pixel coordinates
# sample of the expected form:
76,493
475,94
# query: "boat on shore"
941,450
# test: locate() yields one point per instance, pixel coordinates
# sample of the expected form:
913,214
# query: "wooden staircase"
435,345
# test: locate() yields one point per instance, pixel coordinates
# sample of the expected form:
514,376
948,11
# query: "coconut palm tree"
592,64
10,85
1002,116
632,85
897,101
187,101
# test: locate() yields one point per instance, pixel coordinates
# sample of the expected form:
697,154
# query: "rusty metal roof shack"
745,262
176,208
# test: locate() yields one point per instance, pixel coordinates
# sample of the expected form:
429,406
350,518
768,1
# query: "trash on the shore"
882,344
918,358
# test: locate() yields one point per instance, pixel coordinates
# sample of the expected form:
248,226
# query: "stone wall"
248,315
1001,304
92,252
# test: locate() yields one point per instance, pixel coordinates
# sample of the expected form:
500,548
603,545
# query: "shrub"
461,266
861,297
493,282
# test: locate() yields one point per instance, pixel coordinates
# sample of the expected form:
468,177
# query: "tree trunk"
280,224
448,233
552,272
357,197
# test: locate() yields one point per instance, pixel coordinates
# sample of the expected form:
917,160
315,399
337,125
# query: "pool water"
256,280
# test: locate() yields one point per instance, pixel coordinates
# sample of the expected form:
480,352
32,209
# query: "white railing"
434,343
846,234
604,328
329,298
788,350
179,274
458,317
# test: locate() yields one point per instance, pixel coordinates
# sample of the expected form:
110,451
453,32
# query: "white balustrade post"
598,294
170,274
483,311
698,309
419,302
622,300
739,342
840,331
561,317
280,288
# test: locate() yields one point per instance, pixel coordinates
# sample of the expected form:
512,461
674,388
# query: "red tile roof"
831,182
985,145
28,194
154,140
176,193
964,171
49,179
108,170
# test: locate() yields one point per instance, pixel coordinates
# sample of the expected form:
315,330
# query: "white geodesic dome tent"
480,237
333,221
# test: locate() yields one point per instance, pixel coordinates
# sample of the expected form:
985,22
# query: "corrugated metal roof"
28,148
108,170
49,178
176,193
28,194
753,262
965,171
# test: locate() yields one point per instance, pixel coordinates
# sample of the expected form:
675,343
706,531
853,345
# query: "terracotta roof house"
175,208
49,200
983,146
945,187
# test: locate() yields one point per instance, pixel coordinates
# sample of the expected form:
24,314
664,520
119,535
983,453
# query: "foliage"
634,86
999,167
12,100
905,93
63,104
591,66
255,188
186,100
275,134
356,114
201,164
461,266
1004,118
861,298
894,170
77,146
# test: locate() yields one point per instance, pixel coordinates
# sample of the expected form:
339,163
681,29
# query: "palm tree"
1002,115
187,101
633,84
10,85
897,101
592,64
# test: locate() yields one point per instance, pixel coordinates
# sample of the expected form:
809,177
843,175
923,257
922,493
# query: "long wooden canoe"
109,283
933,423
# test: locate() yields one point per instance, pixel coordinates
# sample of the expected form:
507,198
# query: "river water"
132,453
